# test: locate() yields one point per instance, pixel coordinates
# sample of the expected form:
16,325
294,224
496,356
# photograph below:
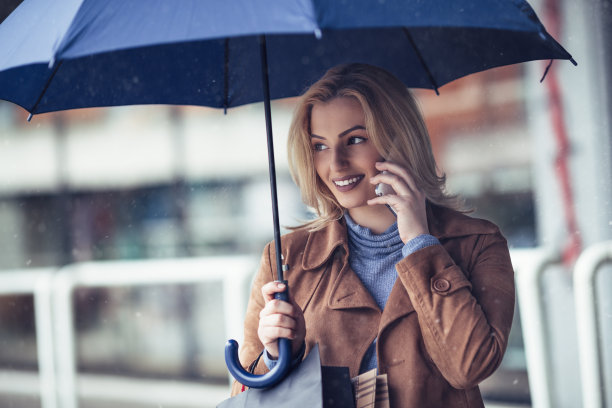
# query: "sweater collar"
369,244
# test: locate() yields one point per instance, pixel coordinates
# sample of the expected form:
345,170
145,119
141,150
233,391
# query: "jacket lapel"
398,305
347,290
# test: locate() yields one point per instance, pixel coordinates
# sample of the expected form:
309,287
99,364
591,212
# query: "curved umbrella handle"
272,377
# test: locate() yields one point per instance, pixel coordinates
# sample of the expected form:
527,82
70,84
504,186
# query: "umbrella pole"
271,164
284,345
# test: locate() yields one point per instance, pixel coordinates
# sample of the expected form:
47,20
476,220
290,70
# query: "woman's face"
344,156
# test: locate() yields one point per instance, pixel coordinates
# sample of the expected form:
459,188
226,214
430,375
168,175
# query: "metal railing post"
38,283
529,265
43,314
65,352
585,296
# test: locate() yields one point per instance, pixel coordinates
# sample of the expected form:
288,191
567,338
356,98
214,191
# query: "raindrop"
28,262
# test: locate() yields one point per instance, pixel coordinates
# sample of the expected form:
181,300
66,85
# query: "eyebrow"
341,134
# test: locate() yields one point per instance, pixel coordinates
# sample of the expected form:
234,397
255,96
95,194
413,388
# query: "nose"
339,159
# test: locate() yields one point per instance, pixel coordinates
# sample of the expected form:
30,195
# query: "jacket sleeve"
465,323
251,347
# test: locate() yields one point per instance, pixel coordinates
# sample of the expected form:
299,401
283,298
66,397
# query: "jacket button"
441,285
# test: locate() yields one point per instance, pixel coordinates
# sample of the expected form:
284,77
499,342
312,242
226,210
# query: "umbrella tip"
30,117
318,34
546,70
573,61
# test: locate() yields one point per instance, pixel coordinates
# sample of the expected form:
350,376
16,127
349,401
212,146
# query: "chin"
350,205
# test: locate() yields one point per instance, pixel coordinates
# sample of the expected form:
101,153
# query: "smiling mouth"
348,182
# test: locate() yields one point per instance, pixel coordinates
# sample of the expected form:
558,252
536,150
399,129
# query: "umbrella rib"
33,110
421,60
226,77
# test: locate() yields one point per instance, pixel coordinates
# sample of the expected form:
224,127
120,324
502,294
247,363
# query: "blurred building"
177,182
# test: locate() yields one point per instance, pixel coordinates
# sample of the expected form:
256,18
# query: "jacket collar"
443,222
322,243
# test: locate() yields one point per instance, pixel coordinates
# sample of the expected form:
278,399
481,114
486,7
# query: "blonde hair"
394,124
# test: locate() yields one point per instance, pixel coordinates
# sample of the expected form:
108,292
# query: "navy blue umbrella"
91,53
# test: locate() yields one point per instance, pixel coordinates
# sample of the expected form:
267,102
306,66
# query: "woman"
399,282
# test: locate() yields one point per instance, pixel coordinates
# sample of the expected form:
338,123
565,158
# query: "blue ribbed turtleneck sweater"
373,258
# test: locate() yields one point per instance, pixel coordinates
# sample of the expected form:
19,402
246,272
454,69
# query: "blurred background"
159,215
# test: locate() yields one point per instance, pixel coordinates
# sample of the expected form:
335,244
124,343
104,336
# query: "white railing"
37,282
590,348
529,265
53,289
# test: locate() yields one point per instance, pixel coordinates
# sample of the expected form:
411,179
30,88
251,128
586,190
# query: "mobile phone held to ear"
382,188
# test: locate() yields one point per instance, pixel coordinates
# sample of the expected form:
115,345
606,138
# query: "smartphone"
382,188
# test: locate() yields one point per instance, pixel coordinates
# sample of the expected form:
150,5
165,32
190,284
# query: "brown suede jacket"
444,328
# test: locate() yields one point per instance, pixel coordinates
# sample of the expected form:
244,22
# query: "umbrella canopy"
87,53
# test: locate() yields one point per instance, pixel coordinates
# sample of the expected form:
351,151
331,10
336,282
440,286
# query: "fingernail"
280,285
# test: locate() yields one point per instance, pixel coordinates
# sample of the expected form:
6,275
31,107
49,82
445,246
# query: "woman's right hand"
280,319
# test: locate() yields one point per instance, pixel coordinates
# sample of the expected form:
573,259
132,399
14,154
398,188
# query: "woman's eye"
318,147
356,140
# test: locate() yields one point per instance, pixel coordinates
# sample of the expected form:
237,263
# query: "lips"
347,183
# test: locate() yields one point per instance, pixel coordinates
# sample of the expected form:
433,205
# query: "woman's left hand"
408,202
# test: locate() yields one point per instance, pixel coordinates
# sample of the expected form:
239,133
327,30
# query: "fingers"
392,200
408,202
397,177
269,289
276,313
269,335
276,306
276,320
279,319
274,326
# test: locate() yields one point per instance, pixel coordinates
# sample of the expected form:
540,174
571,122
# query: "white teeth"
346,182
